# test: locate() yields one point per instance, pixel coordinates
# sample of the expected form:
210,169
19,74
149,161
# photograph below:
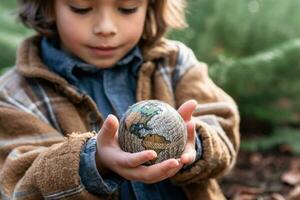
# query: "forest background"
252,48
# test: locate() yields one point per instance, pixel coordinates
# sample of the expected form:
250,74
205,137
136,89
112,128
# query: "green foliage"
266,85
253,49
11,33
286,136
238,28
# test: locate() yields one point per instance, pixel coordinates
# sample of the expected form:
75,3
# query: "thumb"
108,130
186,109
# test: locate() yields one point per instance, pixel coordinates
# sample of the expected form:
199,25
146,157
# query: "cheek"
66,29
70,36
67,24
134,29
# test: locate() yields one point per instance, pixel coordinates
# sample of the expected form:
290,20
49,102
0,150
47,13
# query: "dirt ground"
263,176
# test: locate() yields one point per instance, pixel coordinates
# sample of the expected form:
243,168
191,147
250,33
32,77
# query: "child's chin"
103,65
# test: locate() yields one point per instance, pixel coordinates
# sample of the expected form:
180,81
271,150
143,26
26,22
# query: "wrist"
101,168
90,176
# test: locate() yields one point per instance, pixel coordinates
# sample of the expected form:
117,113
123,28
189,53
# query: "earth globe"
155,125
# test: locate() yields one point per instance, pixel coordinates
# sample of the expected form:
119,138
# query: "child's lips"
103,51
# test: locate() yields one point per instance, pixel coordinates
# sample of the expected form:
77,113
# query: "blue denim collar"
64,64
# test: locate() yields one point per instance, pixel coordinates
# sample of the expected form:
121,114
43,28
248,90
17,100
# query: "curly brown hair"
161,15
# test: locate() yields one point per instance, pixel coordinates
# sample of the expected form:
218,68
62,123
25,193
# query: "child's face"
100,32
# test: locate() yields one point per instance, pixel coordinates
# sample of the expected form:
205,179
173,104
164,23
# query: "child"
90,60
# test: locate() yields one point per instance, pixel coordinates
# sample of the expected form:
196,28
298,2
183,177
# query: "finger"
186,109
171,172
189,154
188,157
132,160
159,171
174,171
191,132
108,130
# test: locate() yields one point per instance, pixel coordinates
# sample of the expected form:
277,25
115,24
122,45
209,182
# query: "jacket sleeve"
36,161
217,122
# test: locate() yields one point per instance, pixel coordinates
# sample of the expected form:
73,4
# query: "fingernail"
194,101
152,154
175,164
185,158
109,115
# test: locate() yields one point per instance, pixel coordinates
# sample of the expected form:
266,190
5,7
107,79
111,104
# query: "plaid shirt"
39,110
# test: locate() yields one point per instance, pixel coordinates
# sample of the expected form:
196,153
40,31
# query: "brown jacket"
44,122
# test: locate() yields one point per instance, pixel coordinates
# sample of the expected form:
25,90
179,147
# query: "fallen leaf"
292,177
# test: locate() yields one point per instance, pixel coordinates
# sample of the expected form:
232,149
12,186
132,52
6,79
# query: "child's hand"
110,156
186,110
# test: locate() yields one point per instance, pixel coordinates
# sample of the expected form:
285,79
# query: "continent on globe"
154,125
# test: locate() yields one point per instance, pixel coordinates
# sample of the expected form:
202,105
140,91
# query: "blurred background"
253,50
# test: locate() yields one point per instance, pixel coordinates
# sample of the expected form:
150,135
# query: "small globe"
154,125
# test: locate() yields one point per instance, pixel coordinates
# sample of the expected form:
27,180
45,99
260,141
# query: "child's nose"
105,25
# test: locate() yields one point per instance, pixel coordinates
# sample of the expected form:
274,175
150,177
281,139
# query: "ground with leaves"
264,176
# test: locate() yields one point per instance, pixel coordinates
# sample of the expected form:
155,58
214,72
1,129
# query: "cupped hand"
110,157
